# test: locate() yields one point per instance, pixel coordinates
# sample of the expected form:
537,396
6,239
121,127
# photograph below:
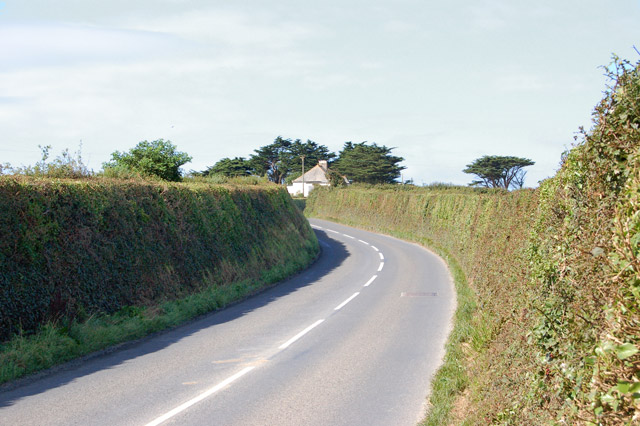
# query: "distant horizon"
193,173
443,83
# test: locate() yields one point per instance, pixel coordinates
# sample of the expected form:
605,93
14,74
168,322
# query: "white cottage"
318,175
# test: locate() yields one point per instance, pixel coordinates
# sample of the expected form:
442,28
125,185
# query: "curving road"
354,340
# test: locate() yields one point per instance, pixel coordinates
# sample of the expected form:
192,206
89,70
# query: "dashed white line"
299,335
285,345
200,397
371,280
340,306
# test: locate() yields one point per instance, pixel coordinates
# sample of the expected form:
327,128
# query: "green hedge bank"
483,237
551,331
71,250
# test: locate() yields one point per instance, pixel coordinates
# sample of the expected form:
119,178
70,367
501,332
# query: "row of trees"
281,162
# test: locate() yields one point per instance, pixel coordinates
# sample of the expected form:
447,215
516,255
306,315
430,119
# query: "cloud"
230,28
32,45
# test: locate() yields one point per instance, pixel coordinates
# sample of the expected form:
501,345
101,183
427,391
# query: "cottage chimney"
323,165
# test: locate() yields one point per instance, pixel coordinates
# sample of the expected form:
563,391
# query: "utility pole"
303,188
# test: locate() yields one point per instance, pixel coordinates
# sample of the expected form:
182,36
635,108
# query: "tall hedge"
71,249
484,233
556,273
586,261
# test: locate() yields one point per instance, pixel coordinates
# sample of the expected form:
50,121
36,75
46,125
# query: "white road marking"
285,345
199,398
371,280
340,306
299,335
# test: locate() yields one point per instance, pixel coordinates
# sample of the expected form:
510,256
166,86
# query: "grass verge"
57,343
451,379
482,237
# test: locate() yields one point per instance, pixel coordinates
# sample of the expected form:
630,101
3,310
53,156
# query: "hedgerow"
71,250
482,234
551,331
585,260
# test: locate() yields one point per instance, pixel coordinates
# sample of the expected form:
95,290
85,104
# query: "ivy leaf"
626,350
623,387
607,399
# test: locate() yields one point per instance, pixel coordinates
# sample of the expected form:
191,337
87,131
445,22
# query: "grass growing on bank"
482,235
451,378
85,264
56,343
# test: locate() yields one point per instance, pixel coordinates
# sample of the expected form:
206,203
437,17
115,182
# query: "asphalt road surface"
353,340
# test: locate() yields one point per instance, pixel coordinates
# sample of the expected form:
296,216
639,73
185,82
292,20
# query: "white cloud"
230,28
47,44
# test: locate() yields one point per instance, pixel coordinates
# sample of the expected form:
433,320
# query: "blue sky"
443,82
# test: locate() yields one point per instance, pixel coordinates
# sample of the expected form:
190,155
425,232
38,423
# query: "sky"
444,82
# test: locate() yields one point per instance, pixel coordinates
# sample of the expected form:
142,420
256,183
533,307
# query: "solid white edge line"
340,306
370,281
375,248
381,256
299,335
200,397
381,266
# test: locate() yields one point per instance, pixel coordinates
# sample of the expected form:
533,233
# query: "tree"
281,158
158,158
312,153
498,171
267,160
368,163
230,167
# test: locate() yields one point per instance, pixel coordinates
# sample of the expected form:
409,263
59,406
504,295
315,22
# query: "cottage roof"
317,174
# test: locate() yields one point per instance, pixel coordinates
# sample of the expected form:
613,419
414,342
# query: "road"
353,340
